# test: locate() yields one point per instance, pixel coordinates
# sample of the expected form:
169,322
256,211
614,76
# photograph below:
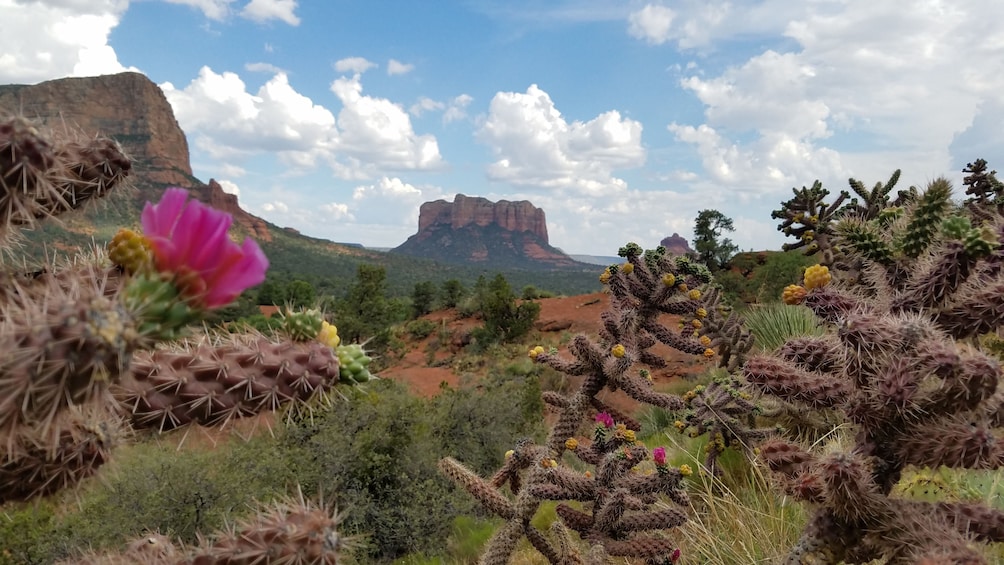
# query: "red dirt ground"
573,314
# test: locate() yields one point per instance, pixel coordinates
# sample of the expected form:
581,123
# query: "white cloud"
353,65
370,135
229,122
263,68
651,23
870,87
276,206
395,67
457,109
213,9
425,104
376,134
265,10
229,187
386,187
536,146
45,40
336,211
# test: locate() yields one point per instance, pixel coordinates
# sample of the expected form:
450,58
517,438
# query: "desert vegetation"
845,406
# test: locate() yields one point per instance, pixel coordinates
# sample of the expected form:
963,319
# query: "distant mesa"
475,230
676,245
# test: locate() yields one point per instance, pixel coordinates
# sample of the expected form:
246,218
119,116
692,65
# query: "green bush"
506,319
420,329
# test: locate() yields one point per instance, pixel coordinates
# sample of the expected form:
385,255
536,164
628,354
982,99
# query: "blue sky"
621,119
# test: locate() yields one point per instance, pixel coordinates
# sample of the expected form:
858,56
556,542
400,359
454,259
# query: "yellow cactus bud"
696,324
627,268
705,340
571,444
618,351
509,454
701,313
669,279
709,353
685,470
131,251
605,277
817,276
793,294
535,352
684,287
629,436
680,426
694,294
329,335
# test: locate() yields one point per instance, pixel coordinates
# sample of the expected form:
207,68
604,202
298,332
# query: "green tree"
505,319
422,298
453,290
712,249
272,293
364,312
300,294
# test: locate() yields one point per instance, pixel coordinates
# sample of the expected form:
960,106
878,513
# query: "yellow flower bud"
701,313
817,276
605,277
509,454
329,335
618,351
705,340
694,294
571,444
627,268
684,287
696,323
685,470
793,294
709,353
669,279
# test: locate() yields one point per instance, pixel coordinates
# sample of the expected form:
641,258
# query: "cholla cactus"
915,395
290,531
617,519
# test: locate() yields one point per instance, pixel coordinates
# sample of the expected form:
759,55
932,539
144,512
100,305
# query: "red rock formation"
467,210
676,245
127,106
215,197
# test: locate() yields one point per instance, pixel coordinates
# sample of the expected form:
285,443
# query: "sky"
621,119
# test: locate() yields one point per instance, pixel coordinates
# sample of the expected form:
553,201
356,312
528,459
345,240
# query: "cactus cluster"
896,366
613,510
88,353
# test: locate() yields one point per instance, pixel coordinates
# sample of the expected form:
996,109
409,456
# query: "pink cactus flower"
190,240
659,456
606,419
675,556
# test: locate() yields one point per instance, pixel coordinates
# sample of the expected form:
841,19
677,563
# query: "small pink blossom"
675,556
659,456
190,240
606,419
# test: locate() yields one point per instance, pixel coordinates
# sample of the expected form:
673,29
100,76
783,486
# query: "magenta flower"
606,419
659,456
675,556
190,240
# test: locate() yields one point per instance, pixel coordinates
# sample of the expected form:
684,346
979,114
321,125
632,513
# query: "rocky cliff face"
676,245
127,106
467,210
475,230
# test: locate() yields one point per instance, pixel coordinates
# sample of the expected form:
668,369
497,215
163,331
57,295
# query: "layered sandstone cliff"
474,230
126,106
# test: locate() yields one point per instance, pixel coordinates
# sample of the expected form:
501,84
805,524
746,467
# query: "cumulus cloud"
376,134
356,65
425,104
45,40
229,187
536,146
337,211
868,87
651,23
395,67
229,122
265,10
276,206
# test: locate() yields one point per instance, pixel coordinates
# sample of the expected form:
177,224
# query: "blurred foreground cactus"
86,347
899,364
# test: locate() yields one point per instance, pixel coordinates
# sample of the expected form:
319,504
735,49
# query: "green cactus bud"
353,362
157,305
956,227
302,326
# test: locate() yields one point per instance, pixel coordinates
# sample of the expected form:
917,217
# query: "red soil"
573,314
